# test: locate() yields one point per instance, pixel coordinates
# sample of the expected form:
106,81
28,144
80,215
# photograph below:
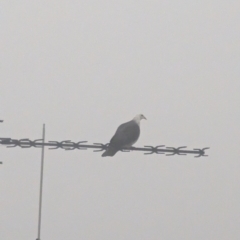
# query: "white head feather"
138,118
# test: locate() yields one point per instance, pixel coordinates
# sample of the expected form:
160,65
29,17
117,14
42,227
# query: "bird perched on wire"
126,135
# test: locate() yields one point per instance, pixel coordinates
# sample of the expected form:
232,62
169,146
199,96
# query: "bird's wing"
126,135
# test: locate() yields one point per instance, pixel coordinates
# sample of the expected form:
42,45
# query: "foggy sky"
85,67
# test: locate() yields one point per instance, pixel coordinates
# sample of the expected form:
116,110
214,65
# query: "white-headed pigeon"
126,135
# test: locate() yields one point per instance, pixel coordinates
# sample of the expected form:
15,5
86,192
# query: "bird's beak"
143,117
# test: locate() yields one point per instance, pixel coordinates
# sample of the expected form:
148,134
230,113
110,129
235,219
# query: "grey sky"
85,67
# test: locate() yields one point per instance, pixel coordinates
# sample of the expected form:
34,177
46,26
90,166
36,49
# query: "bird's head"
138,118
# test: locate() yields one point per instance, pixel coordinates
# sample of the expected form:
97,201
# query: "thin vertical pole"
1,122
41,185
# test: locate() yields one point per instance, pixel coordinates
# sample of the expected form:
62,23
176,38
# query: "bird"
126,135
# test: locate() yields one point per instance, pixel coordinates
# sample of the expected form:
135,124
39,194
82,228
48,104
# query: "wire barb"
176,151
155,149
101,147
201,152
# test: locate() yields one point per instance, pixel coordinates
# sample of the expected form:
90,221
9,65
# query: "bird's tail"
111,151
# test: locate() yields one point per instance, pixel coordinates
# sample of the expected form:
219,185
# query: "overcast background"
85,67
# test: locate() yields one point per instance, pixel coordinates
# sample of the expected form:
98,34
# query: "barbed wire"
81,145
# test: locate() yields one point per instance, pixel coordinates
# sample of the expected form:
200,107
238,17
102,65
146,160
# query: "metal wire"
81,145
